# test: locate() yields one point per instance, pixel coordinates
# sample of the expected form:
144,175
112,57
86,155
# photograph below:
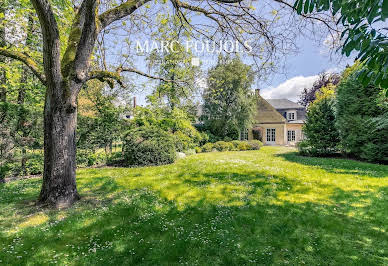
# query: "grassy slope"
267,206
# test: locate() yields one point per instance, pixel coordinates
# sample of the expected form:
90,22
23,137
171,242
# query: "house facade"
277,122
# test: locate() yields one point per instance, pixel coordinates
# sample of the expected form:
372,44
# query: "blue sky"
302,70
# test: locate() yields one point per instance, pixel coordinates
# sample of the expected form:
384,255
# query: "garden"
123,143
267,206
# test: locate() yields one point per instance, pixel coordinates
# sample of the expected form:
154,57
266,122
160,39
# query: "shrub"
304,148
235,145
87,158
223,146
148,146
207,147
243,146
34,164
115,159
255,144
4,169
198,149
357,106
320,127
182,141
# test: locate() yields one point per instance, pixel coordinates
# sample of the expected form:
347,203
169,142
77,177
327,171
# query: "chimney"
134,102
257,92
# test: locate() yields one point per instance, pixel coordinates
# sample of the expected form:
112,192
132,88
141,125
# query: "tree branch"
108,76
27,60
308,16
120,12
51,42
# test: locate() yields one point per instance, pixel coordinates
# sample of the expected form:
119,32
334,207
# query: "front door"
271,135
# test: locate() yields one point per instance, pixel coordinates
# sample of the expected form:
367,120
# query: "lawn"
256,207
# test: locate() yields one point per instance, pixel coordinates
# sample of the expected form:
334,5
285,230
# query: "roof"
283,104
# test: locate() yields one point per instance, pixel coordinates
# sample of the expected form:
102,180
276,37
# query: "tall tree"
229,104
357,109
320,128
69,37
174,64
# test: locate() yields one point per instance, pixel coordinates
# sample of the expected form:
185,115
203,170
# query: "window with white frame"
291,116
291,135
244,134
271,134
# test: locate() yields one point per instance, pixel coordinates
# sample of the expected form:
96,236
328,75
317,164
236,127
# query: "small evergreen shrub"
255,144
208,147
86,158
148,146
34,164
198,149
115,159
235,145
243,146
223,146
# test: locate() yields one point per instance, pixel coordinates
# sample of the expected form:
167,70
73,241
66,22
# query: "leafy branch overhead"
365,33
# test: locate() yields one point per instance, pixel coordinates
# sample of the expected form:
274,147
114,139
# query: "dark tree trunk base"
62,198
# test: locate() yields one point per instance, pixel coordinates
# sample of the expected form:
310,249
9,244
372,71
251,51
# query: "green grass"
256,207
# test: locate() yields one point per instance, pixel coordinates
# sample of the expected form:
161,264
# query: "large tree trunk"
60,122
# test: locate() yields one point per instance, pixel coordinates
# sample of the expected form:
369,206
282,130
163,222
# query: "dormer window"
291,115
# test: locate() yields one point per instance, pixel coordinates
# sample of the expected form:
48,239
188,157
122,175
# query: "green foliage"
235,145
229,104
175,122
301,207
198,149
87,158
357,109
174,65
322,136
364,33
115,159
242,145
223,146
148,146
99,120
34,164
208,147
255,144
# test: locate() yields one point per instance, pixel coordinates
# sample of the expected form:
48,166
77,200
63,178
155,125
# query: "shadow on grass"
338,165
140,227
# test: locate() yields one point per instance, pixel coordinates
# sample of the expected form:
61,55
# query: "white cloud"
290,89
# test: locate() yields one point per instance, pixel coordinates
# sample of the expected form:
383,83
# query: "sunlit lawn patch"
267,206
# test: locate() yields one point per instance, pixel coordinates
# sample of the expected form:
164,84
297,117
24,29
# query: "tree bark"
60,121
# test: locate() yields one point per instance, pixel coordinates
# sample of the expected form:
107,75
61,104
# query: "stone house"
277,122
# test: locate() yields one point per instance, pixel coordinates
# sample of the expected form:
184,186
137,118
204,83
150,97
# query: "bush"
320,127
87,158
356,108
207,147
182,141
243,146
148,146
235,145
304,148
115,159
34,164
223,146
198,149
4,169
255,144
